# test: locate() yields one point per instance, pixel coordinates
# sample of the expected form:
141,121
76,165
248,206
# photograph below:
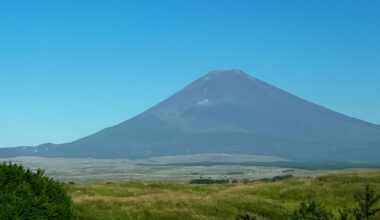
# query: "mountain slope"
228,112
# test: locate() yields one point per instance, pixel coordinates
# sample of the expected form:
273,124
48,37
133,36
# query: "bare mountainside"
227,112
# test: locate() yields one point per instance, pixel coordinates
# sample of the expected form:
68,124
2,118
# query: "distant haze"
228,112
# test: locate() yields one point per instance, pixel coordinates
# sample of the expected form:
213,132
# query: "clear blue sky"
69,68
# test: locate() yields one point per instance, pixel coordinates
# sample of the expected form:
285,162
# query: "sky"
70,68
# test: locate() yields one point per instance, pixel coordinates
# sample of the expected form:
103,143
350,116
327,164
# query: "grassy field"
175,200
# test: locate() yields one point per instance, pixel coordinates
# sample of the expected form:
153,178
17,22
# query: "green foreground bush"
30,195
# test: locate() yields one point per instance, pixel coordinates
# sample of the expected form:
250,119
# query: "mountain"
227,112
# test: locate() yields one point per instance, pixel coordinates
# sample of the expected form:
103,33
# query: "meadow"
263,199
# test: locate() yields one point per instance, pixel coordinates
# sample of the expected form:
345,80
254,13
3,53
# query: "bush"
209,181
245,217
311,211
30,195
367,201
276,178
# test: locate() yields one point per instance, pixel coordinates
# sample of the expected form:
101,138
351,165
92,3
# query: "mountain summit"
228,112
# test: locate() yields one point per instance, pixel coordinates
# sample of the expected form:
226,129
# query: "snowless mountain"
227,112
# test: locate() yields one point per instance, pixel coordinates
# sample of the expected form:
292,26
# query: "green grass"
172,200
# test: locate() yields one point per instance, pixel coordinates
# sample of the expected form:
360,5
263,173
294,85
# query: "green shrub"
209,181
30,195
367,201
311,211
245,217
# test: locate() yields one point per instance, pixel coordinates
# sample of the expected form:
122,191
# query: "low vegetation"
30,195
349,196
209,181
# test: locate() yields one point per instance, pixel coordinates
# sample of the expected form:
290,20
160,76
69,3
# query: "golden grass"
169,200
